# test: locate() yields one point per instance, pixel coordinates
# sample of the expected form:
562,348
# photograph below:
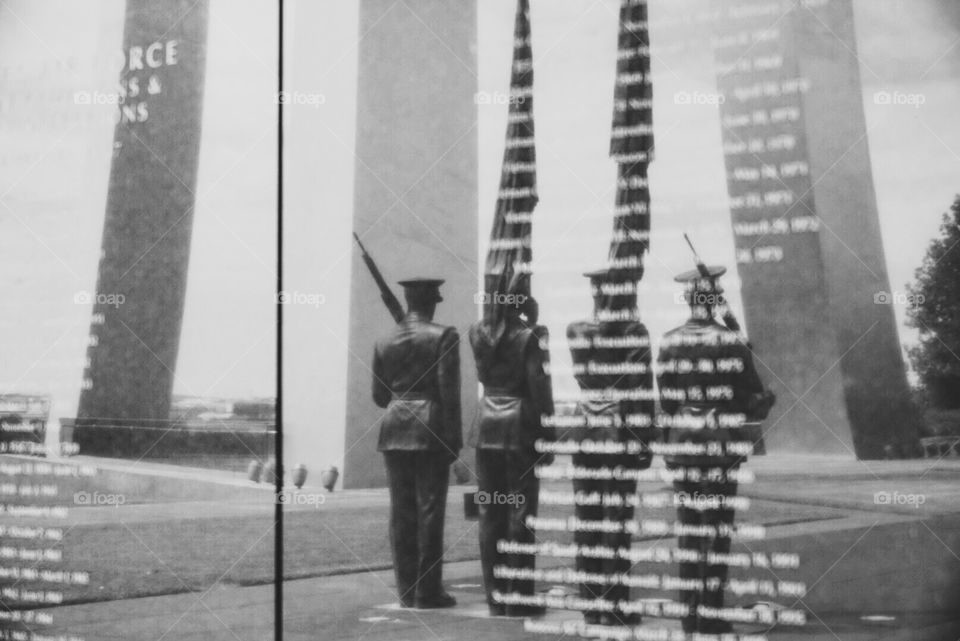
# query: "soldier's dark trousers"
418,500
510,492
713,576
623,513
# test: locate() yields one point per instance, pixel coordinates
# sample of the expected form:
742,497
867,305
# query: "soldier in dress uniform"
709,388
416,377
612,364
512,366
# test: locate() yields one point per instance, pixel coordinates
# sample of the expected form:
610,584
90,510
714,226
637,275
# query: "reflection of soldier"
530,315
416,376
611,357
709,387
516,388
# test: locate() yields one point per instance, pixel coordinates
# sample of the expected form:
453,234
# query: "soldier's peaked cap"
714,271
423,285
598,274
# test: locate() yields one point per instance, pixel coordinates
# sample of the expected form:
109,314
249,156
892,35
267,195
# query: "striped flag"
507,269
631,143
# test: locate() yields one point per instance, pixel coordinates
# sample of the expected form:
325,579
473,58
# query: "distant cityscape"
209,432
192,410
199,410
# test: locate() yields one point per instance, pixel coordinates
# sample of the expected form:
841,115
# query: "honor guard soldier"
709,388
416,377
517,392
612,365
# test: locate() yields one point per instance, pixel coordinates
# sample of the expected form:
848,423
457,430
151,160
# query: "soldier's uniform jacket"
416,376
614,356
708,388
517,390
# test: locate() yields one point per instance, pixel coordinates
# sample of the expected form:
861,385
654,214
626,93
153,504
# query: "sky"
54,165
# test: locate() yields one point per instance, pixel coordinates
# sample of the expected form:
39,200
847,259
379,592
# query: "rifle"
728,318
393,305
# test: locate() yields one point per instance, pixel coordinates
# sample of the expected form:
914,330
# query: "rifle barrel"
357,238
701,267
389,299
696,256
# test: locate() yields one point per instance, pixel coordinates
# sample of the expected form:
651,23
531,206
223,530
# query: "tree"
935,312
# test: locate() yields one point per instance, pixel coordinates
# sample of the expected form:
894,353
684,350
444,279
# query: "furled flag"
631,143
507,269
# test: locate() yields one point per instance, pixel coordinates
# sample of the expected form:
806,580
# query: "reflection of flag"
509,255
631,142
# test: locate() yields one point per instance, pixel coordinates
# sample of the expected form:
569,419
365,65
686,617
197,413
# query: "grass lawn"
135,559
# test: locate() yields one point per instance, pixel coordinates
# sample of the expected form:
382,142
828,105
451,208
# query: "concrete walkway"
362,606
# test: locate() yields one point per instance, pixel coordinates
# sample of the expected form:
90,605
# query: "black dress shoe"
497,609
442,600
621,619
407,603
526,610
715,626
592,618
